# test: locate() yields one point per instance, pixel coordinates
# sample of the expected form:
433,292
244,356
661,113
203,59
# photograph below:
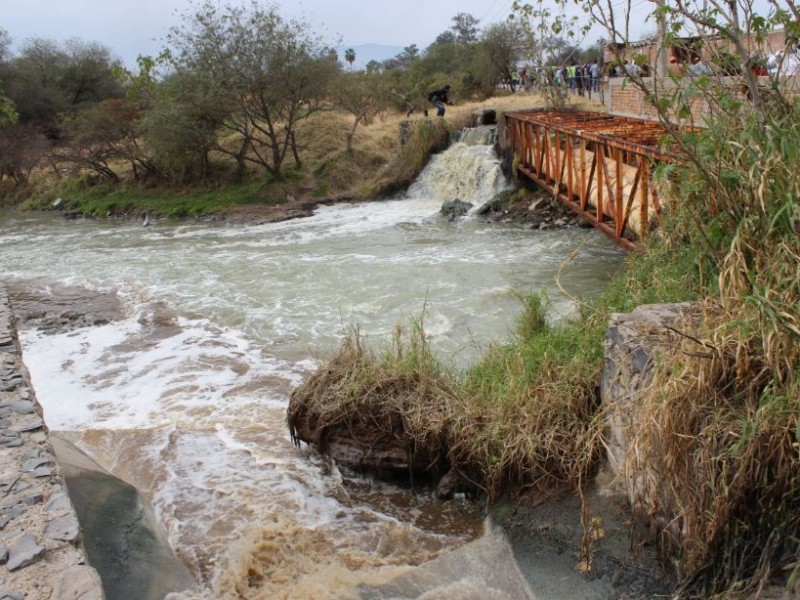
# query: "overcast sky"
133,27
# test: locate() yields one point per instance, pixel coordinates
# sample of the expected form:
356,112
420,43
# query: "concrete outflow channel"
69,530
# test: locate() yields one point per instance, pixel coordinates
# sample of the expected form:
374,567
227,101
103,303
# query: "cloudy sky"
133,27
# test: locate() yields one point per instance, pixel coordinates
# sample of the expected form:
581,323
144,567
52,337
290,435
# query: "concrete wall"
41,553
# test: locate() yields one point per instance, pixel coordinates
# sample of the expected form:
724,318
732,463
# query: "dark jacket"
440,95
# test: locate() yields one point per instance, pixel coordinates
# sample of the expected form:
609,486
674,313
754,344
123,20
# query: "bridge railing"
597,164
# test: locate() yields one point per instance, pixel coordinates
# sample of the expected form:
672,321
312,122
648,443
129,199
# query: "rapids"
181,389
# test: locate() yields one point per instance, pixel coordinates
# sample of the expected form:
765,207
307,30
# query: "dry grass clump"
721,454
427,137
399,398
527,415
721,433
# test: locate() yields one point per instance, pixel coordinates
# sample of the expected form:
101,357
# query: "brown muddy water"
167,353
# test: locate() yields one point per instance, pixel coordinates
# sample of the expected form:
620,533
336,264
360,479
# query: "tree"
103,134
404,59
22,149
500,50
48,79
446,37
373,66
363,95
272,74
350,57
5,45
181,124
546,34
465,28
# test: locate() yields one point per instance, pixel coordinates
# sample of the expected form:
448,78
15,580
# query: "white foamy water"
185,397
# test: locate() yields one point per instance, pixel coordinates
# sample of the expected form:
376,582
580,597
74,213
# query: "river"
181,390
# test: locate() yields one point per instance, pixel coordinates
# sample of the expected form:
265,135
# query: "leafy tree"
48,79
499,52
446,37
22,149
547,32
373,66
465,28
363,95
106,133
350,57
404,59
181,125
272,73
5,45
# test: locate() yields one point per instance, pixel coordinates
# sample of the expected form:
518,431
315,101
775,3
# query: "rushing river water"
183,392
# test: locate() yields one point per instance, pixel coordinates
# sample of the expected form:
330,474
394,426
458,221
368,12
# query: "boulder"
455,208
632,343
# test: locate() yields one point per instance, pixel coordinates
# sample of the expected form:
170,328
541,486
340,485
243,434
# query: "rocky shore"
40,539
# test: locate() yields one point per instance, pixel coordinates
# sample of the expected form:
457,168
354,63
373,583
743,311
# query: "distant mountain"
368,52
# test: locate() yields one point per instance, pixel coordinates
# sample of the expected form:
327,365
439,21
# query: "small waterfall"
468,170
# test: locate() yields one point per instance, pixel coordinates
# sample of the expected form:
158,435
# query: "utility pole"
662,58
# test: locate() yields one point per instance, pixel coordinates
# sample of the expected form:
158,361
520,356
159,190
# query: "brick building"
685,49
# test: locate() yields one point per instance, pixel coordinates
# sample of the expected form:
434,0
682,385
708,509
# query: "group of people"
579,79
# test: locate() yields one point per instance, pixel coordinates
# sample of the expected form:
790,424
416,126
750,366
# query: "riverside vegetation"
722,428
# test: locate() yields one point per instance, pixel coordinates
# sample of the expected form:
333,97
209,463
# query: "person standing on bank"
439,98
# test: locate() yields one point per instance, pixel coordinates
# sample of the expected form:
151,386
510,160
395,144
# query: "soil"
549,546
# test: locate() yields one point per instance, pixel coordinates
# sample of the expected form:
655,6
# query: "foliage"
48,79
181,124
350,57
103,199
22,149
272,74
465,28
363,95
399,396
548,32
500,51
721,429
426,138
106,132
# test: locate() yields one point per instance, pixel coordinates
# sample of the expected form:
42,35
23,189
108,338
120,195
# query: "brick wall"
623,98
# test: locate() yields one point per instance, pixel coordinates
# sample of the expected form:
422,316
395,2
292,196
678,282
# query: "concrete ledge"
40,539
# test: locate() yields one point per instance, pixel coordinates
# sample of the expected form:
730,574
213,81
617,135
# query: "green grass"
101,200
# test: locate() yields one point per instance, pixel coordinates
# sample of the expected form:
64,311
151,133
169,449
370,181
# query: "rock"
65,529
10,595
57,202
79,582
10,439
30,425
33,463
10,384
455,208
8,515
57,502
23,407
25,552
41,472
632,342
3,553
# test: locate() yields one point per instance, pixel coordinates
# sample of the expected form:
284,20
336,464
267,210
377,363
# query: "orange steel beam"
546,143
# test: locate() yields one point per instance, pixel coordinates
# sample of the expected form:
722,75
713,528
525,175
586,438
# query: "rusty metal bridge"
599,165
